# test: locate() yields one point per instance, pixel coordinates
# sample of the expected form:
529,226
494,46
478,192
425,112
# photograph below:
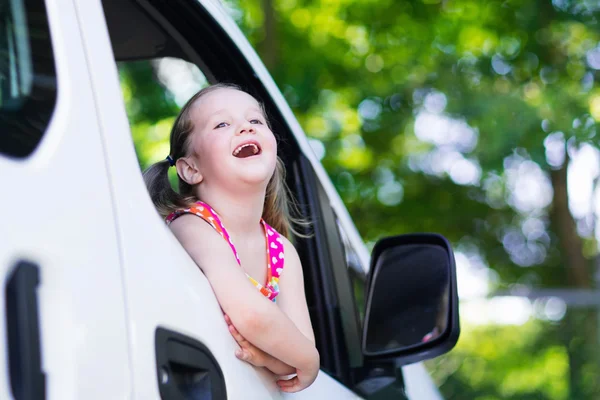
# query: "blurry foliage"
150,109
428,114
508,362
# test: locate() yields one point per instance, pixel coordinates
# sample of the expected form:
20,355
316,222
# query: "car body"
101,298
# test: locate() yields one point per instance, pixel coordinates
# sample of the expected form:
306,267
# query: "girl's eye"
256,121
221,125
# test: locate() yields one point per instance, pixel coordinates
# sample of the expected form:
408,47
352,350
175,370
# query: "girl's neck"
241,215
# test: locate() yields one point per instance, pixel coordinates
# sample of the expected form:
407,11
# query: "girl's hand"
255,356
247,352
301,381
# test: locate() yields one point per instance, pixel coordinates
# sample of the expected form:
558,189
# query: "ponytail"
165,199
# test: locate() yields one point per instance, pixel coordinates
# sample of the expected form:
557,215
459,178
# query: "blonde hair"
278,203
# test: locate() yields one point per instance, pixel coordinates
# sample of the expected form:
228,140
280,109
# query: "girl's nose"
246,128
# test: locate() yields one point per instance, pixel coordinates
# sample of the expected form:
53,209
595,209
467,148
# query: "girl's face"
231,142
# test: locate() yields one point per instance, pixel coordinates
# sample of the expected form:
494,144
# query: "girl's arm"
252,314
255,356
292,301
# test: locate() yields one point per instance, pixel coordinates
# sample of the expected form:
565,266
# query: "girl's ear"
187,169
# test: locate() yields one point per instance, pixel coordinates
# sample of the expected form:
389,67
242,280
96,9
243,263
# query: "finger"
287,383
234,332
292,389
227,319
242,355
236,335
295,387
239,335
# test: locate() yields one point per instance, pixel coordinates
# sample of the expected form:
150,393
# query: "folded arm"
255,356
251,313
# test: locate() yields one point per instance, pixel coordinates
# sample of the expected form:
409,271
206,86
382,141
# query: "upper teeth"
254,148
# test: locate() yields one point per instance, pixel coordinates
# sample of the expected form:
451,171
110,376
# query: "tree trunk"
578,271
580,326
268,47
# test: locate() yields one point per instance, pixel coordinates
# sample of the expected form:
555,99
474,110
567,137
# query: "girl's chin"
253,175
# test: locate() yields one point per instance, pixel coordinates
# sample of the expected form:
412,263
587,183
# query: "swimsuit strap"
209,215
274,245
275,256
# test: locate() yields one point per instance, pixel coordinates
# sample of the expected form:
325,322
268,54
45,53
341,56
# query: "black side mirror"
412,301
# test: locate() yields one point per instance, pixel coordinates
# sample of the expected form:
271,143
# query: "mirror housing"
411,310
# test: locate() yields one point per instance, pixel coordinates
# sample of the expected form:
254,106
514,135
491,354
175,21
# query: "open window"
155,42
154,90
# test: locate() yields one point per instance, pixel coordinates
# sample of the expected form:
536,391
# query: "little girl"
231,215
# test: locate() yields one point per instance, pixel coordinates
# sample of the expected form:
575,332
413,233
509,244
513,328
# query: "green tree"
510,85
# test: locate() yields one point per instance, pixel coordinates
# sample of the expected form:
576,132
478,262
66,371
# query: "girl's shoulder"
202,210
198,208
273,234
193,232
270,231
288,250
276,239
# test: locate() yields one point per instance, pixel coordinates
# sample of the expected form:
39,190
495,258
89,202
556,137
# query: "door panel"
58,216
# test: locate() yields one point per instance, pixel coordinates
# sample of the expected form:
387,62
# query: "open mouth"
246,150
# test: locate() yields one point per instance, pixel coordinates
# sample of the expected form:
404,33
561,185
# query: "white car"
100,299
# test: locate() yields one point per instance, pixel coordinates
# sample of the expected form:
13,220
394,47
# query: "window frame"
320,253
205,43
355,272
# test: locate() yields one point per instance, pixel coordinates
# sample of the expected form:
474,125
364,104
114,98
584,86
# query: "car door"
179,342
64,316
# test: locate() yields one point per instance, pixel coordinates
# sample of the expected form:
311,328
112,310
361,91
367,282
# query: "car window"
27,76
162,52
